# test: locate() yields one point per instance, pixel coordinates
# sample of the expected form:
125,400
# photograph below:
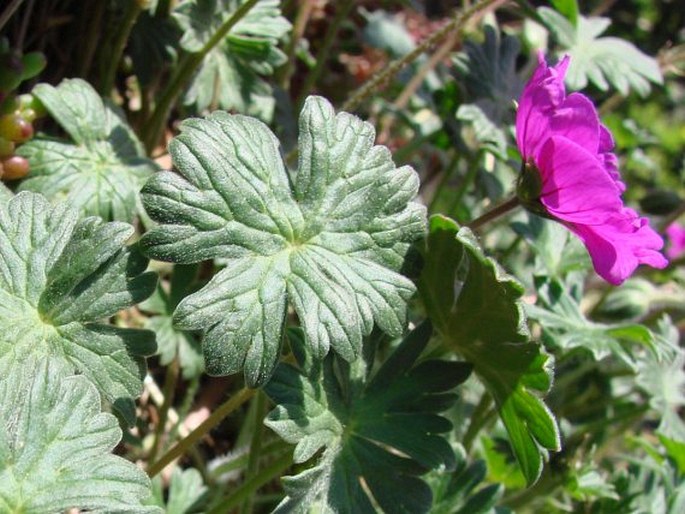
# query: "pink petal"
675,233
575,186
577,119
542,94
618,246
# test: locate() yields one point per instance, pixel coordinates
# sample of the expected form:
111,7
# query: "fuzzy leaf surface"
381,430
104,166
186,493
59,277
603,61
55,446
330,244
566,327
230,76
477,309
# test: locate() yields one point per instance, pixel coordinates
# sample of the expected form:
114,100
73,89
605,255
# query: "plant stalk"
494,213
187,67
9,11
301,20
456,24
255,447
135,7
250,486
212,421
342,12
170,380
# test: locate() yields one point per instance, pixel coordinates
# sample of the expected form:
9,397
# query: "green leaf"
172,342
557,251
229,76
477,310
485,134
186,492
382,431
567,328
488,72
604,61
55,446
102,170
569,8
330,245
59,277
461,491
663,379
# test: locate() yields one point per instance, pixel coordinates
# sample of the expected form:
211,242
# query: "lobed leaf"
378,434
566,326
330,245
102,170
604,61
55,446
230,74
59,277
478,312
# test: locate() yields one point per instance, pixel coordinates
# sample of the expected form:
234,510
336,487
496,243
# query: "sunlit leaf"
55,446
104,166
230,74
59,278
330,244
604,61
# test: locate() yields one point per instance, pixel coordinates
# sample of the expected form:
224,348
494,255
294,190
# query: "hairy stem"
301,20
213,420
497,211
187,67
255,447
170,380
250,486
135,7
481,415
9,11
456,24
342,12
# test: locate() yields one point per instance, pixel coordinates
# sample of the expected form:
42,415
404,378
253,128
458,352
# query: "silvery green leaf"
55,445
604,61
104,166
230,76
59,278
328,240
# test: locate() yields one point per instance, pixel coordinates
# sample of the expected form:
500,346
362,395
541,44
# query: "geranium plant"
263,256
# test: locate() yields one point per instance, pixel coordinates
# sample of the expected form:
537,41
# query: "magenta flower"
675,233
571,175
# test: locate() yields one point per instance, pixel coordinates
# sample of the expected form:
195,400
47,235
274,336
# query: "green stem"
90,45
342,12
301,20
196,435
456,24
467,181
170,380
162,9
481,415
240,463
135,7
447,174
494,213
187,66
249,487
9,11
255,447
